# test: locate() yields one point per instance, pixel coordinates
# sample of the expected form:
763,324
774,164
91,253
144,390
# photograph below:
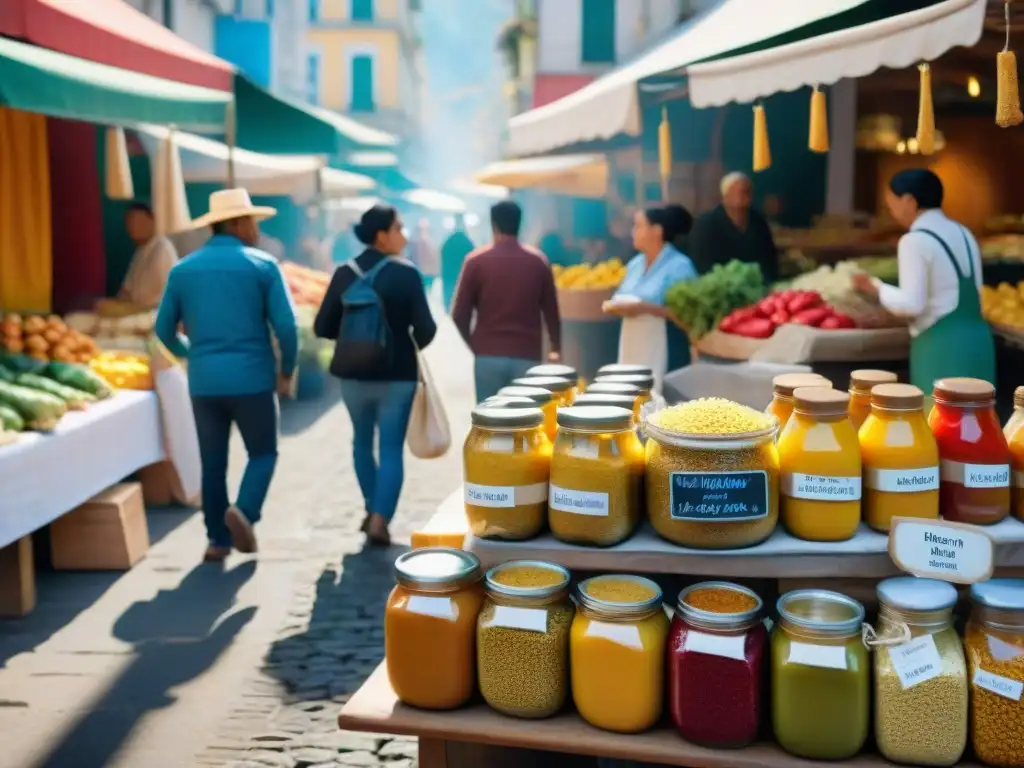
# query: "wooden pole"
230,132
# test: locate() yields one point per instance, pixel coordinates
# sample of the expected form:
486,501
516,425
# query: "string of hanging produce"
665,153
818,133
1008,112
926,113
762,149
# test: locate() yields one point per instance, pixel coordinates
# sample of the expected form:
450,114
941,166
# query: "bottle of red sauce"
974,456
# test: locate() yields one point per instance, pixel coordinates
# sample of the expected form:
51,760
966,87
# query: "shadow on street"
299,415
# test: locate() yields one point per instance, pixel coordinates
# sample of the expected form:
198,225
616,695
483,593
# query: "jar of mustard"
617,653
558,370
642,381
783,387
1014,432
597,476
819,457
543,399
430,627
861,383
820,676
523,639
900,458
712,474
562,388
623,390
506,471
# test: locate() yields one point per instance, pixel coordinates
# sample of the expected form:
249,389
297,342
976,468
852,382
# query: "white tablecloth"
44,476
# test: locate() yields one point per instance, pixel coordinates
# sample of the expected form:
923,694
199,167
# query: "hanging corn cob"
818,135
762,149
1008,112
926,113
665,153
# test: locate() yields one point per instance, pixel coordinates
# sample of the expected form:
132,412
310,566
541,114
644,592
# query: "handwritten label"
916,662
976,475
530,619
937,549
726,646
505,497
999,685
823,656
718,496
438,607
580,502
902,480
627,635
821,487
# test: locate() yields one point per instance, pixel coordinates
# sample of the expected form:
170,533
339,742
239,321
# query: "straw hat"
235,203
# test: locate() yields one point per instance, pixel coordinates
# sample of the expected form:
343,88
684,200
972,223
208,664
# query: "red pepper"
747,313
786,296
769,306
812,317
757,328
728,324
779,317
803,301
845,321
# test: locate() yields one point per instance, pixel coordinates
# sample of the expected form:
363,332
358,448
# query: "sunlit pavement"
179,664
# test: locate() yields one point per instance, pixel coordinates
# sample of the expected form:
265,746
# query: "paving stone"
275,759
402,748
360,759
311,756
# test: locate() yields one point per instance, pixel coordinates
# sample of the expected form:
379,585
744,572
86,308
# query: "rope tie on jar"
887,638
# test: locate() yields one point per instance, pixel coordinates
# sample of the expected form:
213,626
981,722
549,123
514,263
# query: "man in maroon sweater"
509,286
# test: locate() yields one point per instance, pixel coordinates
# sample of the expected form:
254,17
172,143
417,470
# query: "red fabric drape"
79,260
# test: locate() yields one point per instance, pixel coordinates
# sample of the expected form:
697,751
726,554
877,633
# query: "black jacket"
716,240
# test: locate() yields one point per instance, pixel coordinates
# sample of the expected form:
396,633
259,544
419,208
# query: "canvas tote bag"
429,435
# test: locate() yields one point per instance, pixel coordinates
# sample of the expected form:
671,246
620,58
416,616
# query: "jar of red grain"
716,665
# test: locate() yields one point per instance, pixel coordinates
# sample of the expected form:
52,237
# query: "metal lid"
497,401
963,391
820,401
714,619
436,569
643,381
595,418
864,380
539,395
556,384
908,593
553,369
506,418
821,610
614,388
1001,594
605,398
625,369
784,384
897,397
528,593
619,608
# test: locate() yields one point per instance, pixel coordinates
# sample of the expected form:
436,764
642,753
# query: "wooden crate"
107,533
17,578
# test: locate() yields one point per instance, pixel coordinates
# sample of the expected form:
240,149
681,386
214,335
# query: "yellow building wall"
338,10
334,46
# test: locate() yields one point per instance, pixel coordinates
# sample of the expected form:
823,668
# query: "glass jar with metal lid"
543,399
430,627
498,401
562,388
820,676
716,665
1014,432
861,383
642,381
974,457
506,469
617,653
523,638
994,642
606,398
920,673
618,388
597,476
625,369
783,386
558,370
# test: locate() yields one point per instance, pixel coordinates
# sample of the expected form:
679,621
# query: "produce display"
1003,247
700,304
35,395
40,411
307,285
1004,305
760,321
124,370
126,330
589,277
835,286
45,339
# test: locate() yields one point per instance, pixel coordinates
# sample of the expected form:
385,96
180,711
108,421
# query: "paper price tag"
823,656
999,685
592,503
916,662
726,646
492,496
627,635
937,549
530,619
438,607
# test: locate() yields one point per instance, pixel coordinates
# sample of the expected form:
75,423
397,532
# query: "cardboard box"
107,533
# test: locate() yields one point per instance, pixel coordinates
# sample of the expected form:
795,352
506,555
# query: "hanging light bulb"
973,87
913,145
901,147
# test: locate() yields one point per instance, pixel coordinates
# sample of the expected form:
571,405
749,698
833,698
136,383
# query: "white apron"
644,341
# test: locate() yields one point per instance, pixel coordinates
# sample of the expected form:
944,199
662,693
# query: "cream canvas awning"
576,175
898,42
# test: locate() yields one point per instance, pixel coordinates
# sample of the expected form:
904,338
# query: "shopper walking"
227,296
456,248
375,309
509,287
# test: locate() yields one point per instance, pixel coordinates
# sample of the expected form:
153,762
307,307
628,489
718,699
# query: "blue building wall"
246,44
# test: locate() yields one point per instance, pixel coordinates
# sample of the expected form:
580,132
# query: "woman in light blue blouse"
640,300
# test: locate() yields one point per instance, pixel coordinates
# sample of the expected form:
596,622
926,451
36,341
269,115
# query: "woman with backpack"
376,311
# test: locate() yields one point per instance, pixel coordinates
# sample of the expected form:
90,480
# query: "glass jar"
562,388
1015,438
506,470
819,457
783,386
617,653
559,370
712,491
498,401
623,390
597,476
607,399
900,458
994,642
543,399
820,676
430,627
1016,419
716,671
523,639
642,381
974,457
920,674
625,369
861,384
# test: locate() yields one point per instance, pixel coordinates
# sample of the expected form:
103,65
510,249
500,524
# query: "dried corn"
665,146
926,114
818,140
1008,112
762,149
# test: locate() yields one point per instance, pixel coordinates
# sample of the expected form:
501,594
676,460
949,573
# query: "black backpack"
364,340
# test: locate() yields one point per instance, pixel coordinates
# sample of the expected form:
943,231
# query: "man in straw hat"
225,295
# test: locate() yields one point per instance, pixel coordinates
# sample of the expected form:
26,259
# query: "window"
598,32
361,10
313,78
362,83
314,10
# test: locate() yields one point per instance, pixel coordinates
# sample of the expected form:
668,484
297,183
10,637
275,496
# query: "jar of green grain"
506,468
597,476
920,673
523,639
712,474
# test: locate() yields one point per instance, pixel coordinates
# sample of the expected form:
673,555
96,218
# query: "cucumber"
16,363
6,375
79,377
76,399
39,410
10,419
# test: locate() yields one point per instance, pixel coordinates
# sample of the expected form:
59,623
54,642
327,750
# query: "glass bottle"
861,383
1015,439
783,387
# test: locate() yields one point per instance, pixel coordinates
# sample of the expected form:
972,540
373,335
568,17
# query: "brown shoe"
242,535
216,554
377,531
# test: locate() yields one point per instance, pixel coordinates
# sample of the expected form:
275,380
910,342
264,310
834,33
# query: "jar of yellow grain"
543,399
642,381
562,388
523,639
617,653
506,468
623,390
712,474
995,655
597,476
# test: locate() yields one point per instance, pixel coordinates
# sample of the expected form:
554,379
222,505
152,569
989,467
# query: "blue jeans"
381,409
256,418
493,373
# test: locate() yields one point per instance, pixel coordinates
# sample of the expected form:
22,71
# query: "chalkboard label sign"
710,497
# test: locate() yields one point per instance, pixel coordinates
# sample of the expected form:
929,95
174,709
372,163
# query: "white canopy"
898,42
206,161
576,175
358,132
435,200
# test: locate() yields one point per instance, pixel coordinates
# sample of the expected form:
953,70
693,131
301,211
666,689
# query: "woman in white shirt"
939,286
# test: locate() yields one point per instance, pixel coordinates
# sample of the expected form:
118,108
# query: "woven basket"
584,305
865,313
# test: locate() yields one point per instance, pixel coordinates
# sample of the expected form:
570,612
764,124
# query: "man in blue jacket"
227,296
